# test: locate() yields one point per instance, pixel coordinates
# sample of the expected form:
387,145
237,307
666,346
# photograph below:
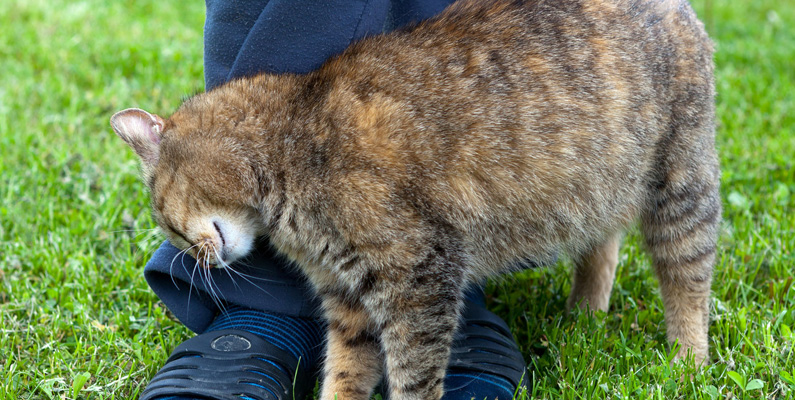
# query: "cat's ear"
141,130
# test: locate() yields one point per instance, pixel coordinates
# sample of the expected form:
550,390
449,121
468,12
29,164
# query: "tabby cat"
420,161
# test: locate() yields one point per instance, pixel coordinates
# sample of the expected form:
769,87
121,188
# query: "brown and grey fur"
423,160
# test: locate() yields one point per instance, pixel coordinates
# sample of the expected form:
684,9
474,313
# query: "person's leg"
286,36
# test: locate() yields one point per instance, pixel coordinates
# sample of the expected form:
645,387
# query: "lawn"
77,319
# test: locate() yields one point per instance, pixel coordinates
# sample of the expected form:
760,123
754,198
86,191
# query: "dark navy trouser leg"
246,37
268,284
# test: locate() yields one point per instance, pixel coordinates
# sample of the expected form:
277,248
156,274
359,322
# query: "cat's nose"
208,252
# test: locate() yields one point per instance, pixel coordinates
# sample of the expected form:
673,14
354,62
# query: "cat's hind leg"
682,217
681,226
594,273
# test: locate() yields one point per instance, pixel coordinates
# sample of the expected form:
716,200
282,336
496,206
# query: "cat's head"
204,189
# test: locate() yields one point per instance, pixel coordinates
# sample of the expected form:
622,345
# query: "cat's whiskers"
246,277
215,296
226,268
201,265
207,279
231,278
204,268
184,268
190,286
138,231
182,261
248,265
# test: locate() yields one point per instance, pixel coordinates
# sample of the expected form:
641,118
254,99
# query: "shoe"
485,361
244,354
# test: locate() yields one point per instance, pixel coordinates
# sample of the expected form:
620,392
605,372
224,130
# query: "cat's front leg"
418,319
353,365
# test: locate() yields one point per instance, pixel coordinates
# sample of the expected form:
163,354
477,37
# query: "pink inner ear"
135,123
157,128
141,130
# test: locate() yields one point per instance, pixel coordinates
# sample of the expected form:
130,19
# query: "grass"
77,319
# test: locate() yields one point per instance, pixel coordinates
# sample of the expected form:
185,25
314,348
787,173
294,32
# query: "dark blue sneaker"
485,362
244,354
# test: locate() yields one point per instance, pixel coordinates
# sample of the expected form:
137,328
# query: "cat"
420,161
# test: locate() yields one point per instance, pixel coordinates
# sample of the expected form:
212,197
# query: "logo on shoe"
231,343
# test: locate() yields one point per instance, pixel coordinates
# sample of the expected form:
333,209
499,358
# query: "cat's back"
562,40
535,84
532,68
